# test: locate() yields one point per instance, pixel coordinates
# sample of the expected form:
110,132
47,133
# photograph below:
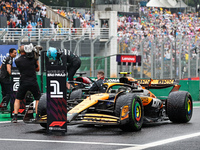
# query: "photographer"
67,58
27,64
5,82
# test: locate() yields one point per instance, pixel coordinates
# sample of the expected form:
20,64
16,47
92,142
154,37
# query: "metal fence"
88,43
163,57
35,34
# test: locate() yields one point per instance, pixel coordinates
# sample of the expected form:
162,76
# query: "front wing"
72,119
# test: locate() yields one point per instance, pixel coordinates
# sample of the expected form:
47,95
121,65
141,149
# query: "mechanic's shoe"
14,120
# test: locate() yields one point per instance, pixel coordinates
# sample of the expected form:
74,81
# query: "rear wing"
159,84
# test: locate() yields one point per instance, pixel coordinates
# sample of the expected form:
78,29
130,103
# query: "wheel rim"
137,111
189,107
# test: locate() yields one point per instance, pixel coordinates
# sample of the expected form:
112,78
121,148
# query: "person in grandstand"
5,73
67,58
98,85
27,66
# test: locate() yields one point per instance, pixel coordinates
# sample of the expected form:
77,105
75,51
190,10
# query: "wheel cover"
137,111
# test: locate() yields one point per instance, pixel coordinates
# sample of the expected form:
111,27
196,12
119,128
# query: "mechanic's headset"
18,51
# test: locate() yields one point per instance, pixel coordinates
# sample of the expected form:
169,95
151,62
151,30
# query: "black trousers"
5,90
73,68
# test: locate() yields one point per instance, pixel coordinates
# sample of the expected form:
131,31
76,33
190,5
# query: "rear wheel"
179,107
42,108
76,94
42,105
130,109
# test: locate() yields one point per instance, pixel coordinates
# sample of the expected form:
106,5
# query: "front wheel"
42,108
179,107
131,112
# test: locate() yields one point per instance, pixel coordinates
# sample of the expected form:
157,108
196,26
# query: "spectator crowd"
86,19
156,25
22,13
178,31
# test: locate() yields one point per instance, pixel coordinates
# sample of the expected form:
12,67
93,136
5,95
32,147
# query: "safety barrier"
34,34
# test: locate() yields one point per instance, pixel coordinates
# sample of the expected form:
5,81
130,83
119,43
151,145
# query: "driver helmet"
52,53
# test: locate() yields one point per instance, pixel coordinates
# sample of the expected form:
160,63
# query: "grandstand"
163,39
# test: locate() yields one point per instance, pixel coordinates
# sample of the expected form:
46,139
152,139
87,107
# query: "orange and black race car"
126,104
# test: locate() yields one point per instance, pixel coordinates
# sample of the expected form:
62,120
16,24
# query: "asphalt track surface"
165,136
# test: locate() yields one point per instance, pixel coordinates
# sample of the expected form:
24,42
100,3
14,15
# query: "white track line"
10,121
66,142
133,146
5,122
196,107
162,142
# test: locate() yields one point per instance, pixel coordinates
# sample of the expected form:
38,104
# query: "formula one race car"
82,82
126,104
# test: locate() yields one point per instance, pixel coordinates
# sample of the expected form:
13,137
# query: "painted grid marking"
67,142
162,142
130,146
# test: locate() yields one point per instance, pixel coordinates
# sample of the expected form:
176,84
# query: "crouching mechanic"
98,85
68,58
5,82
27,65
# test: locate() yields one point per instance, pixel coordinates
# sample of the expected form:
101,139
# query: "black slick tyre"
76,94
179,107
135,111
42,108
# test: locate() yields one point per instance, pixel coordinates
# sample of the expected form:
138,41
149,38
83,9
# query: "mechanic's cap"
52,53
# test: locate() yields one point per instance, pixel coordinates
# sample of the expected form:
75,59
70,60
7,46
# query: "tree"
193,3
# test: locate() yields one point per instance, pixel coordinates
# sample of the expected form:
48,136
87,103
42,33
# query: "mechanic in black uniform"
68,58
27,66
98,85
5,82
